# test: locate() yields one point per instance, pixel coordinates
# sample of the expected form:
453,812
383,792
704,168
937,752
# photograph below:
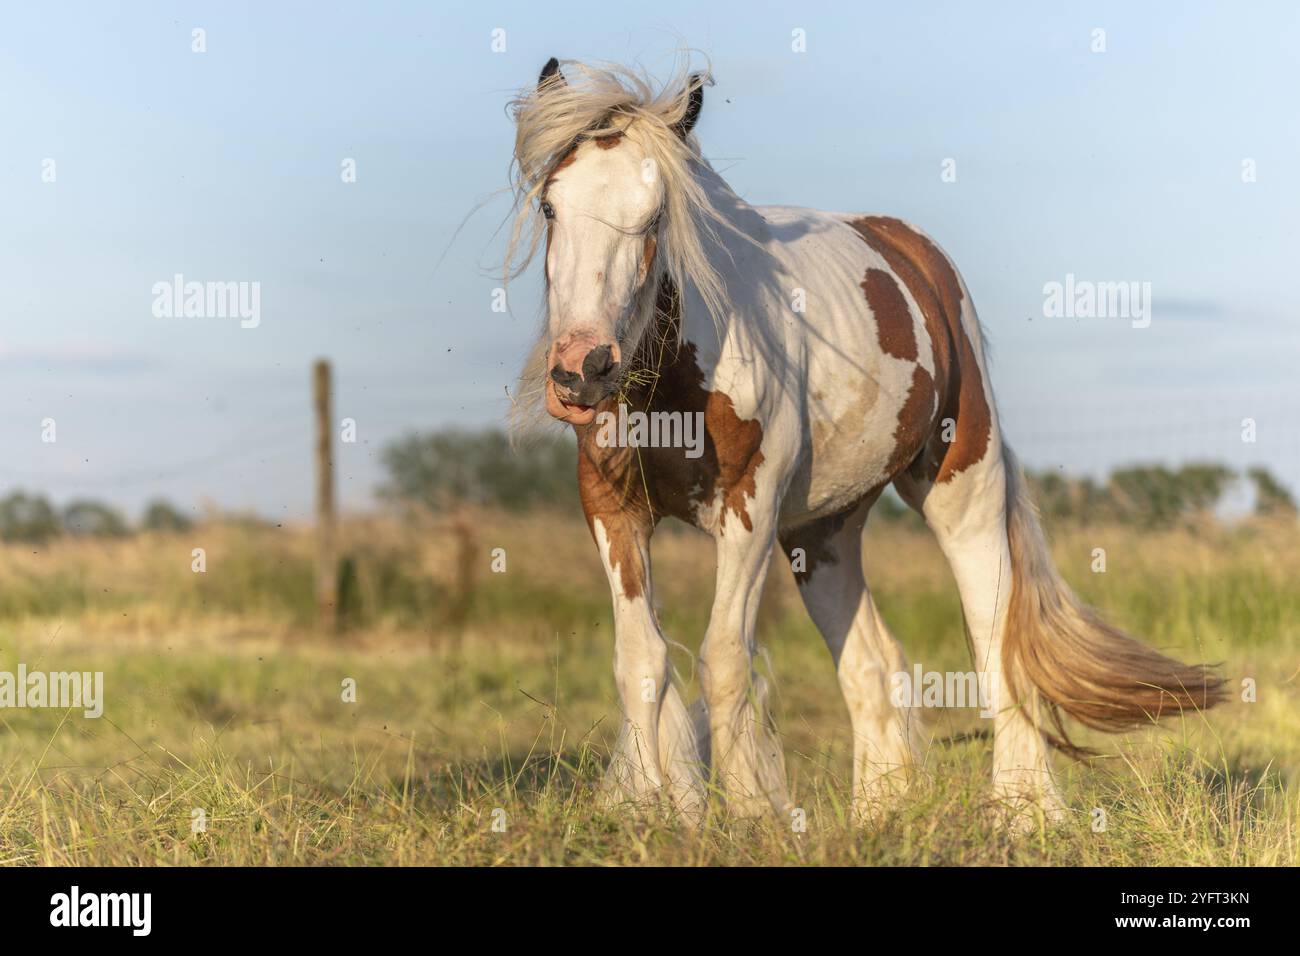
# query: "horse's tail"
1059,655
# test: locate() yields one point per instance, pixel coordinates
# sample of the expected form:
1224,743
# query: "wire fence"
1211,438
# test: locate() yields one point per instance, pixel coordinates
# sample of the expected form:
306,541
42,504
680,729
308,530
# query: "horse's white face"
602,203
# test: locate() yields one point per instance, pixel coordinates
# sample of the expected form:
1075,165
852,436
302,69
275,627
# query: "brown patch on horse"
648,251
934,285
915,422
565,160
736,443
625,519
608,142
646,484
894,325
973,418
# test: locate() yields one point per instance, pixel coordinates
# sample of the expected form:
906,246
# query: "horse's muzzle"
572,393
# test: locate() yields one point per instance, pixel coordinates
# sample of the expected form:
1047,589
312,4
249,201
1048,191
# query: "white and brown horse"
827,355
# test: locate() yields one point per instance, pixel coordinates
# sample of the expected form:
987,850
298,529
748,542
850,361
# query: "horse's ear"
550,74
694,103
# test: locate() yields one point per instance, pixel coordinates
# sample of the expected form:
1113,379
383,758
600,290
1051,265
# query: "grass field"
484,714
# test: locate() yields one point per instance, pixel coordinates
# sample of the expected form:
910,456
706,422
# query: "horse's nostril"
598,363
568,379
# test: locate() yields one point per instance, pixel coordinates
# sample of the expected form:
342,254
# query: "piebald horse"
827,356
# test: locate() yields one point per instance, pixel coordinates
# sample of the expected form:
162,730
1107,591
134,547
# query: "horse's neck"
727,249
743,217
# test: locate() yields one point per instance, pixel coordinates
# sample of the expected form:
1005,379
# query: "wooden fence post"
327,599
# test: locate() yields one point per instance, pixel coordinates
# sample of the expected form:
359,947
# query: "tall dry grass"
487,692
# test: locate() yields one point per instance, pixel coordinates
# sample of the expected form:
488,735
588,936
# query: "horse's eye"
548,210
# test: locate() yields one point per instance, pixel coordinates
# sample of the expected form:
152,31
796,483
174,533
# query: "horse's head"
604,198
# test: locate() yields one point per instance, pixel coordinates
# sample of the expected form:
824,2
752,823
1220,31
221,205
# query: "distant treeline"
1153,495
26,517
440,470
443,468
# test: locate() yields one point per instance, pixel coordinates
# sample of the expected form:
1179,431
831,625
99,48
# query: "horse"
825,357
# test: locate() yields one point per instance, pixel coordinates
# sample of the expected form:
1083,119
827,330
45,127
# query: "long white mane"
605,100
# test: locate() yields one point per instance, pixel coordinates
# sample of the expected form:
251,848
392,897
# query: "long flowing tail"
1058,649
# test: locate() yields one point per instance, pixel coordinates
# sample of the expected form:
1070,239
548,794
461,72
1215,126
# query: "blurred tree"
93,519
161,515
450,466
1200,485
1053,493
1271,498
1147,495
26,517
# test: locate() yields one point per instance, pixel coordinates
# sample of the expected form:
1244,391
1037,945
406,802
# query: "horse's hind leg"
826,557
968,517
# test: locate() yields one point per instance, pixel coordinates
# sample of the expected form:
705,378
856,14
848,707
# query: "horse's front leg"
747,757
657,754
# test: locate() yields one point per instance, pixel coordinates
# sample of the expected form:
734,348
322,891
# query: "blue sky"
225,165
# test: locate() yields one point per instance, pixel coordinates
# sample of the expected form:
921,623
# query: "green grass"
221,698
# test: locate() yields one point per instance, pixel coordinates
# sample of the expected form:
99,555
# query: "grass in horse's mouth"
639,377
